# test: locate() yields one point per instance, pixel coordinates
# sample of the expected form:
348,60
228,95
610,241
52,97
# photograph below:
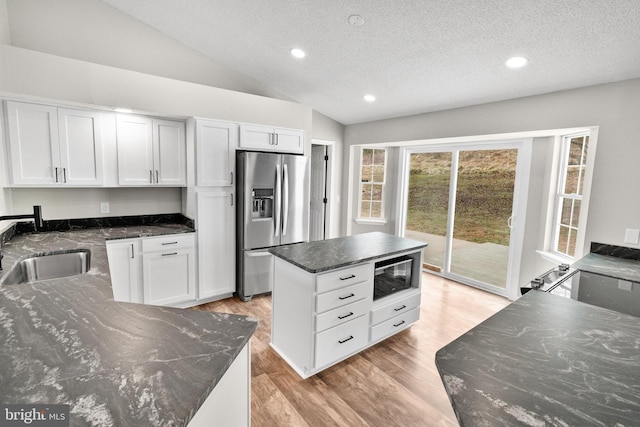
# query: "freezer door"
257,274
295,199
258,200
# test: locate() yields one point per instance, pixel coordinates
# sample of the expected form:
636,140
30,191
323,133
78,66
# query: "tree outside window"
372,179
570,191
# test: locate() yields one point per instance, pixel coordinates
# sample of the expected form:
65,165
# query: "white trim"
369,220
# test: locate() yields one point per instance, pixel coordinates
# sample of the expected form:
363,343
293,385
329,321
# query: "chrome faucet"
37,219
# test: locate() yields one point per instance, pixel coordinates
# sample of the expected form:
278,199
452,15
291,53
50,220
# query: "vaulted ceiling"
413,56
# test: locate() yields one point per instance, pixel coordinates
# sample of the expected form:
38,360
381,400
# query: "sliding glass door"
460,200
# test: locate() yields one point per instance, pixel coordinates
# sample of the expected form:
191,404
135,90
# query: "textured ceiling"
414,56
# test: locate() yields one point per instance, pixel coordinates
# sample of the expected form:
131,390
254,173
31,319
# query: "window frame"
560,195
368,219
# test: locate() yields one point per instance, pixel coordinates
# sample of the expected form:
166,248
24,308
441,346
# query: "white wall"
614,107
92,31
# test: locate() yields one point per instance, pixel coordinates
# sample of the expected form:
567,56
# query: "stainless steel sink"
50,266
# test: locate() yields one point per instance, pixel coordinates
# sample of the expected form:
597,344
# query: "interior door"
318,193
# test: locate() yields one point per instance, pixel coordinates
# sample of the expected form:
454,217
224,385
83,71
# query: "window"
570,191
372,179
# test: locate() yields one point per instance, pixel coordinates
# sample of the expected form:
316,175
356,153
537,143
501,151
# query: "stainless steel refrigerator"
273,209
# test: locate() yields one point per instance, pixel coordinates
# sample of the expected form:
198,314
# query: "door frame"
330,182
519,208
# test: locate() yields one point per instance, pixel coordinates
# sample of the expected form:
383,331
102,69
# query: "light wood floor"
394,383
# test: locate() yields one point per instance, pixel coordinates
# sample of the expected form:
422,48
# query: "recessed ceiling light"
298,53
516,62
369,98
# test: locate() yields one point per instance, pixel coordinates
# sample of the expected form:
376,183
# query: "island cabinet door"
341,341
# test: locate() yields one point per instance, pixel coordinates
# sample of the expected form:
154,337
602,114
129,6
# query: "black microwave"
391,276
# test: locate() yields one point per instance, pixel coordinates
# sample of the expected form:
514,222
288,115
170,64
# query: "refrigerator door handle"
285,208
278,200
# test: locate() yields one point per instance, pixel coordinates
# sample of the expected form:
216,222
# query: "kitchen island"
334,298
546,360
66,341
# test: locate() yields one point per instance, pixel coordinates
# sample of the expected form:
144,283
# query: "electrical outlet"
104,207
632,235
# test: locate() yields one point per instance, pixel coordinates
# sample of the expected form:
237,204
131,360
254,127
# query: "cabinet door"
215,153
33,141
170,165
216,244
289,141
169,277
125,270
135,150
80,147
254,137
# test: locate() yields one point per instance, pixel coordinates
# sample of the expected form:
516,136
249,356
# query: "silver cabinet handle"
231,178
64,175
157,177
150,176
231,199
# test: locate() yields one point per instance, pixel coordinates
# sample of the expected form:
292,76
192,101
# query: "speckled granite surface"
330,254
611,262
67,341
546,360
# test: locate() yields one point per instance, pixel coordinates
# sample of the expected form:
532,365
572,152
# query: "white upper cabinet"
265,138
151,151
54,146
216,143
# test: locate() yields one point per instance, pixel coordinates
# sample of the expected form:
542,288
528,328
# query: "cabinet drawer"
394,324
343,314
167,243
339,341
345,277
343,296
395,307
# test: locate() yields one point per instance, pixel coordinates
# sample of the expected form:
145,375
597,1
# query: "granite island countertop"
324,255
66,340
546,360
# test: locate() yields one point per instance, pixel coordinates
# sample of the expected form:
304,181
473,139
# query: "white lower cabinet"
154,270
229,404
125,269
216,244
321,319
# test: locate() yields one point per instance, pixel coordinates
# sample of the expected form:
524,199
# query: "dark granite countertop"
66,340
546,360
323,255
620,268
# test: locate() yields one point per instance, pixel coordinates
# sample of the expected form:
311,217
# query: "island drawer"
343,314
394,324
343,296
339,341
395,307
340,278
168,243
